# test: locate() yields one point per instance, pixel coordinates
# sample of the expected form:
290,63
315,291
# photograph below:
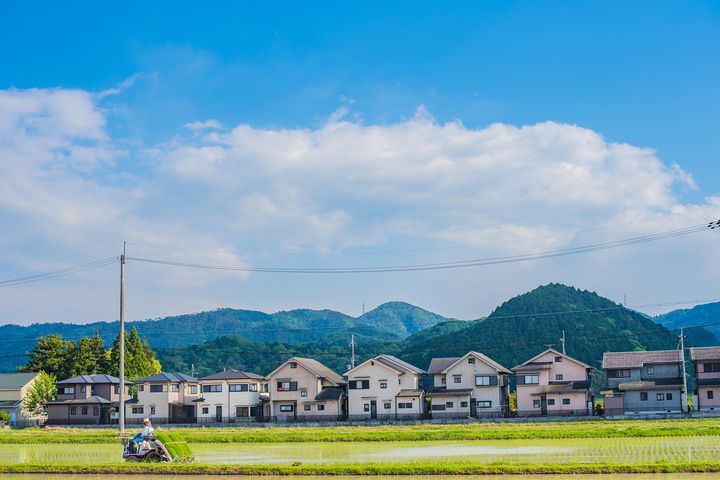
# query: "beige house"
707,377
231,396
86,400
303,388
385,387
471,385
164,398
553,383
13,389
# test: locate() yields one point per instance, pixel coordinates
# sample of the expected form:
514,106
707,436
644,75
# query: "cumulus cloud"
250,195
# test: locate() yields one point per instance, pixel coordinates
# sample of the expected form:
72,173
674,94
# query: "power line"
59,273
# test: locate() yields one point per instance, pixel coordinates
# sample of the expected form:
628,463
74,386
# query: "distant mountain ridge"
705,314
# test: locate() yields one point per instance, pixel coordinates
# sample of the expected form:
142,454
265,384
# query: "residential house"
706,361
471,385
643,382
303,388
553,383
164,398
13,389
385,387
86,399
231,396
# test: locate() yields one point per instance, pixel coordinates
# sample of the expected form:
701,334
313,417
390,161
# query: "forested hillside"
707,314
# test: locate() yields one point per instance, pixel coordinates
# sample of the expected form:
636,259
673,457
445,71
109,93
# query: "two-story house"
86,399
553,383
471,385
164,398
13,389
643,382
231,396
707,377
305,388
385,387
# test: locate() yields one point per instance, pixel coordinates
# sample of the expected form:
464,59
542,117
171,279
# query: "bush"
4,417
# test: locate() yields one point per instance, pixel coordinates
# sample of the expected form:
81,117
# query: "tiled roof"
532,367
100,378
638,359
330,394
319,369
440,391
437,365
482,357
15,381
94,400
400,363
410,393
234,375
705,353
555,352
571,386
163,377
649,385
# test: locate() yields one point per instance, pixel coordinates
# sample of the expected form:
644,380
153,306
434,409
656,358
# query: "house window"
359,384
651,370
566,401
193,389
449,404
366,407
152,410
482,380
241,411
83,410
303,393
253,387
287,386
293,365
242,387
117,389
618,373
558,359
66,391
156,388
404,405
438,407
444,380
175,387
387,405
82,389
536,403
711,367
96,411
550,402
253,411
668,396
484,404
530,379
660,397
286,408
457,379
138,410
307,407
73,411
383,384
558,376
205,410
141,388
463,404
643,396
211,388
710,395
321,407
471,360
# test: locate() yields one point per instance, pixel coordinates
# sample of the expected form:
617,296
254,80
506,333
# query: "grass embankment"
415,468
385,433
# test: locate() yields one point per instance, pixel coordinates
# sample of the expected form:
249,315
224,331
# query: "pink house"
553,383
707,377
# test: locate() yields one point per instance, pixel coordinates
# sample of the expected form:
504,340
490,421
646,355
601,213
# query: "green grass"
415,468
476,431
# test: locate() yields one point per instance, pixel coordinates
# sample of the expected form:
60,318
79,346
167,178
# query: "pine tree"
140,359
50,355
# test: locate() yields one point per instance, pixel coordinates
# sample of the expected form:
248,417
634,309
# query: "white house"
164,398
471,385
13,389
231,396
385,387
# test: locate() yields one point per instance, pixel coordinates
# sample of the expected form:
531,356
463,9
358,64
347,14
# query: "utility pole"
352,351
684,373
563,342
363,308
121,421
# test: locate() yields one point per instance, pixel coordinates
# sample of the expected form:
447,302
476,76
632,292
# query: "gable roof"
638,359
705,353
437,365
100,378
314,367
234,375
402,364
163,377
489,361
330,394
552,350
15,381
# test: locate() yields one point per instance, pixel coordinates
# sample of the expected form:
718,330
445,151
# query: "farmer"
148,430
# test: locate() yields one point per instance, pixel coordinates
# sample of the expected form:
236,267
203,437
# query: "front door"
218,413
543,405
473,407
373,409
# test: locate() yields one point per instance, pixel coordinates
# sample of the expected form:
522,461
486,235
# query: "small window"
73,411
117,389
444,380
253,387
643,396
286,408
241,387
457,379
84,410
175,387
193,389
651,370
551,401
463,404
383,384
488,403
293,365
211,388
82,389
536,403
404,405
471,360
387,405
710,395
660,397
668,396
366,407
303,393
241,412
205,410
141,388
321,408
156,388
530,379
558,359
287,386
96,411
307,407
138,410
359,384
482,380
449,404
558,376
152,410
566,401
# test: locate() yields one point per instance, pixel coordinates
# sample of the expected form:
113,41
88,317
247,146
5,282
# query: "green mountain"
707,314
390,322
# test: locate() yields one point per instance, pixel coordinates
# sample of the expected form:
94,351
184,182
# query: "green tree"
140,359
50,355
88,356
42,391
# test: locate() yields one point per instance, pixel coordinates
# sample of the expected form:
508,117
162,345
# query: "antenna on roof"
563,342
192,369
352,347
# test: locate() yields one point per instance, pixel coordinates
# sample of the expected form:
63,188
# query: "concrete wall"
632,402
466,372
229,401
378,374
161,401
570,371
306,381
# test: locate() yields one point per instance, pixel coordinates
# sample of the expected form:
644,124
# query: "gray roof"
330,394
638,359
163,377
15,381
410,393
450,392
437,365
10,404
100,378
93,400
383,358
705,353
234,375
319,369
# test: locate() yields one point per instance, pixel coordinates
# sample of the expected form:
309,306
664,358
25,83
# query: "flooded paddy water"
615,450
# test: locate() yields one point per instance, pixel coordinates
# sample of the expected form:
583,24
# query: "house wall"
19,395
632,402
457,400
306,381
376,373
229,401
467,372
570,371
705,403
60,414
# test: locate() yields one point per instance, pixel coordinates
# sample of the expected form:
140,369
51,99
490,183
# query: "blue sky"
645,74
